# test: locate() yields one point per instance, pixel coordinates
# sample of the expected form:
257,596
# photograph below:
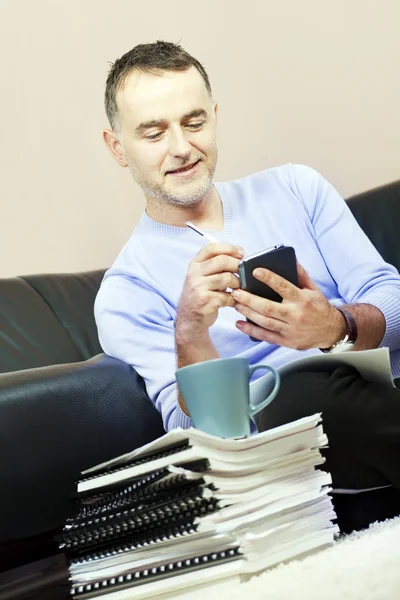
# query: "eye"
196,125
193,126
155,136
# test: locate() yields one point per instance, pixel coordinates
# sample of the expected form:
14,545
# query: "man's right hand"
209,274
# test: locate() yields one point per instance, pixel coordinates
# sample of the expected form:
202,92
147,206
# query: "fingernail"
236,294
240,251
257,273
239,324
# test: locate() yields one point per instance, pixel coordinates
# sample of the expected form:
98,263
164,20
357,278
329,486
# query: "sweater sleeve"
361,274
135,325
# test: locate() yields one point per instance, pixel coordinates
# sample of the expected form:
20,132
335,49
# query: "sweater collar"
147,223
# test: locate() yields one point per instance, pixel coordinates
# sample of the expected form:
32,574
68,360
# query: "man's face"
168,122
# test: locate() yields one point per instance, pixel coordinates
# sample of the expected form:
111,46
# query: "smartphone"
279,259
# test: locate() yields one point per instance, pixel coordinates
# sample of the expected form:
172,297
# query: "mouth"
188,170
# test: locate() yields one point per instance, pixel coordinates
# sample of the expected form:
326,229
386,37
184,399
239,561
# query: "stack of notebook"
189,509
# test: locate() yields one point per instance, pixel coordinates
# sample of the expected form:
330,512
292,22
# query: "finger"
224,299
282,286
259,333
269,308
221,281
268,323
214,249
219,264
305,280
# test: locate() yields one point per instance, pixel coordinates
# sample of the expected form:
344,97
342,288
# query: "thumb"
305,281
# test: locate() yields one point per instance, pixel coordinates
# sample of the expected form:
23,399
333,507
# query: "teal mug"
216,394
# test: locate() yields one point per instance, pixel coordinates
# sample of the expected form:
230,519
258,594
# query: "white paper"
373,365
221,461
209,441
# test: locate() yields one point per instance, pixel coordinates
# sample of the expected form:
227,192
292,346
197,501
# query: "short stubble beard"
163,196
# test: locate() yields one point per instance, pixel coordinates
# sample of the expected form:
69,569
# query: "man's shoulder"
123,284
289,173
295,183
124,267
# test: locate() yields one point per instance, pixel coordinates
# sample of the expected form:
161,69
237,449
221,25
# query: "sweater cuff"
389,305
181,419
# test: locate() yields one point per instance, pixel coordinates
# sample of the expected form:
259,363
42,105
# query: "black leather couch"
65,406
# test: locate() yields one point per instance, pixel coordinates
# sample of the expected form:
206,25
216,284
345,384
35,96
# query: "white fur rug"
362,566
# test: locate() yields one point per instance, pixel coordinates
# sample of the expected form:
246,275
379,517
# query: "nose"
179,145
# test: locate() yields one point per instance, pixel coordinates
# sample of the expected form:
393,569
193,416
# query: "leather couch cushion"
71,298
57,421
47,319
378,213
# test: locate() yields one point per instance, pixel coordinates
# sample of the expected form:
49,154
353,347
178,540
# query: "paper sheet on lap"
373,365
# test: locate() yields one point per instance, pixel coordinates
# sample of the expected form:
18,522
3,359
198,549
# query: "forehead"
165,96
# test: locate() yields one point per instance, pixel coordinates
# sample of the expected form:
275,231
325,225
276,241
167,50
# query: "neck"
207,213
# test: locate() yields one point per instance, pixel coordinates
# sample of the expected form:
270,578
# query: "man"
166,301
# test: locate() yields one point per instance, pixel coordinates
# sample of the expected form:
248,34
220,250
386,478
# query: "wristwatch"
347,343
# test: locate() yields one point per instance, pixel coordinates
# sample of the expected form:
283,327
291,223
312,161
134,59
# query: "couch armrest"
57,421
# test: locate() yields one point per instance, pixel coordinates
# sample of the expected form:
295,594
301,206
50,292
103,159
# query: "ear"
115,147
216,114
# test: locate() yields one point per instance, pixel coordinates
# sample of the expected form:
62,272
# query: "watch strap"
351,324
351,331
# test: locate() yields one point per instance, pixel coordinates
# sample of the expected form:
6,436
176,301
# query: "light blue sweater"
137,302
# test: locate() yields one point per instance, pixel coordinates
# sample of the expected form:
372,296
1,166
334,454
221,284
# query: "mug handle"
253,409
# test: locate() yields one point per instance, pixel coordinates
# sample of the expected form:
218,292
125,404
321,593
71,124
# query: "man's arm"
305,319
137,325
369,286
209,274
371,325
361,274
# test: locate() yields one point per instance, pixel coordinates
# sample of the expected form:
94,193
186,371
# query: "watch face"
342,347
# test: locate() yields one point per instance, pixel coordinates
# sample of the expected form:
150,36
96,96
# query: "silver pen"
205,235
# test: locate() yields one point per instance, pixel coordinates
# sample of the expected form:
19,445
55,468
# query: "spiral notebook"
180,446
190,508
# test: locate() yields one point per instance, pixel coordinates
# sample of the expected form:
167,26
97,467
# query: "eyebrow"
198,112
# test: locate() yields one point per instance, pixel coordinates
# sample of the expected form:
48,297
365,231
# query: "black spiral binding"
137,512
96,504
136,507
134,503
100,495
140,490
149,456
163,534
175,512
140,577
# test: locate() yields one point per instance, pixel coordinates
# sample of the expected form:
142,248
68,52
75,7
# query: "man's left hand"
304,319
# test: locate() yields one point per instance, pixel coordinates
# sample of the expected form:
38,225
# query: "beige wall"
315,82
